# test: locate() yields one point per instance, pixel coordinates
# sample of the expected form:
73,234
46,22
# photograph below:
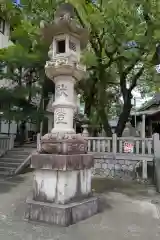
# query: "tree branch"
122,78
80,19
129,68
94,36
135,78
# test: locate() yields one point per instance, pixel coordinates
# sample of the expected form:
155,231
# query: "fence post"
114,144
7,145
38,142
156,148
156,145
11,142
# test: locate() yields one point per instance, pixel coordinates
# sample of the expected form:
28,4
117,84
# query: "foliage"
122,41
122,44
24,62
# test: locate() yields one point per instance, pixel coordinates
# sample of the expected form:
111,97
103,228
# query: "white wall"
5,127
4,43
4,38
31,127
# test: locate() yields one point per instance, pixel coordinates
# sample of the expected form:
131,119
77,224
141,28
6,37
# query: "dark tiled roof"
154,101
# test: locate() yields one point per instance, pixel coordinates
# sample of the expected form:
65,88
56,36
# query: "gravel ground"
124,217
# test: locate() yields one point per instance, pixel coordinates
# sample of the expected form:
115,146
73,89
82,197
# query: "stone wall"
110,168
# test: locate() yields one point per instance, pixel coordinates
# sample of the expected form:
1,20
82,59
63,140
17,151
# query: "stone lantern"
85,132
64,68
62,178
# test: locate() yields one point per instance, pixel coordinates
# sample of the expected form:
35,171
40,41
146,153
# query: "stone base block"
62,178
61,187
63,215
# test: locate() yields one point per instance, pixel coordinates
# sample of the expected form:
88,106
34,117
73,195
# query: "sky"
139,100
16,1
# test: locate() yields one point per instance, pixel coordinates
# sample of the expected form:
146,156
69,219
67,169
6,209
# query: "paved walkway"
124,217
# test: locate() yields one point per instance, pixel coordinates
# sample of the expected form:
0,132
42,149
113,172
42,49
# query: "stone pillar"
64,104
62,178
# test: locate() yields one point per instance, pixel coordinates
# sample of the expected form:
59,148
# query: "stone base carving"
62,162
63,144
63,215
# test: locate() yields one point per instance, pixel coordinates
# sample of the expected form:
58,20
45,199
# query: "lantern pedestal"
62,189
62,215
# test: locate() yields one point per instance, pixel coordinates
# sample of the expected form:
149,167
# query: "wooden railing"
140,150
138,145
114,144
99,144
6,142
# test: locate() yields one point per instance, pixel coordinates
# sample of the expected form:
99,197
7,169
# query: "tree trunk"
124,116
89,102
87,109
22,132
105,123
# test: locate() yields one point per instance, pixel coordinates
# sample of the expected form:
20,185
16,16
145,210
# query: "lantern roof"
65,8
65,23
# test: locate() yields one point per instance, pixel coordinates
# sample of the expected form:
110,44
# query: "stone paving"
124,217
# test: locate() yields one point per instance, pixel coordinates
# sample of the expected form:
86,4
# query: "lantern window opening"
60,46
72,45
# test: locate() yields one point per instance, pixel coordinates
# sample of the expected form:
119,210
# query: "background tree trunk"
105,122
124,116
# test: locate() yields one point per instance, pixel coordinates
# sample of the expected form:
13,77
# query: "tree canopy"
122,45
24,75
120,56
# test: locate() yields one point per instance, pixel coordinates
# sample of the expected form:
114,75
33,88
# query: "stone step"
19,152
16,156
3,175
11,159
20,149
7,169
30,146
9,164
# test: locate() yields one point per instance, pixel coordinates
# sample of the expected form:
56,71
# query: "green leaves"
89,58
25,59
115,62
110,60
